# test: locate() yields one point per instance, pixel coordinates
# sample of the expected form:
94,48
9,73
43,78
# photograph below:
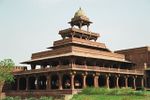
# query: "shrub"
31,98
46,98
8,98
122,91
93,90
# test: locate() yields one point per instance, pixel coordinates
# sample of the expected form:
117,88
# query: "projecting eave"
75,54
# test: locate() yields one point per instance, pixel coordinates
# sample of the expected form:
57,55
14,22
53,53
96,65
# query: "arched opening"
121,81
54,82
102,81
112,81
89,80
22,83
66,84
138,83
41,82
78,81
130,82
31,83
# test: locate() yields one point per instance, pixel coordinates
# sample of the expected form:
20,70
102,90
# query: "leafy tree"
6,68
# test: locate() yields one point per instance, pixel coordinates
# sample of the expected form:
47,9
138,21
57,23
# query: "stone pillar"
18,83
48,85
60,81
85,63
27,83
95,81
117,81
72,62
59,63
33,66
142,82
72,81
43,66
145,81
107,81
88,27
84,81
134,82
36,83
126,81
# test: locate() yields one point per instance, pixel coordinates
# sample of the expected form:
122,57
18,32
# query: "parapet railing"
112,70
82,68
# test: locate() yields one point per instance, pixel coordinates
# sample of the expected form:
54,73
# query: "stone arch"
41,82
54,81
78,81
121,81
102,81
90,80
32,83
66,81
112,81
131,82
22,83
138,82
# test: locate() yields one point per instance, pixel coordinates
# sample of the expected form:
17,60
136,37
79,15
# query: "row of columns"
84,84
75,61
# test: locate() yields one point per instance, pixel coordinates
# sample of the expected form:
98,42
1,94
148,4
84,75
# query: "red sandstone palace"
77,61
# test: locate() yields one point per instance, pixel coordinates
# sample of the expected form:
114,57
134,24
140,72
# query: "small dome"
79,13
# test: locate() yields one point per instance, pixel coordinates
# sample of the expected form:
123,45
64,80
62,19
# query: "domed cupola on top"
80,19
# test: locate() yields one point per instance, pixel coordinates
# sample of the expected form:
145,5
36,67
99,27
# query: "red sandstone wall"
139,56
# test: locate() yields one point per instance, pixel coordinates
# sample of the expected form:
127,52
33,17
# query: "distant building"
77,61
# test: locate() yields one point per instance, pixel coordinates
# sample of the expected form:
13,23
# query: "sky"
29,26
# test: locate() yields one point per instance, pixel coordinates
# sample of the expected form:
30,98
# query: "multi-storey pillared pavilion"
73,63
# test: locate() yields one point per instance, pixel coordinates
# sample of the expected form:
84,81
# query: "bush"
122,91
46,98
8,98
31,98
93,90
114,91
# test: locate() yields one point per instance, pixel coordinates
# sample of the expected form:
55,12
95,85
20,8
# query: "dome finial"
80,13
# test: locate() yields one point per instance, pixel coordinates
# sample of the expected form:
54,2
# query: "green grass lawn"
108,97
91,93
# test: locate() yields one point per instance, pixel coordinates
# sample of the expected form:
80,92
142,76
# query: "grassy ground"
111,94
108,97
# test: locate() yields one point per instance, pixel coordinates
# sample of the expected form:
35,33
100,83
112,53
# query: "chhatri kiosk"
75,62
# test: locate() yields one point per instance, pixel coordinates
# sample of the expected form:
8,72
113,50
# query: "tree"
6,68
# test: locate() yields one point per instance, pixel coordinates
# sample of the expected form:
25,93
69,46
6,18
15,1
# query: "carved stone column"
59,63
117,81
72,62
84,81
33,66
85,63
126,81
145,81
72,81
107,80
36,83
48,85
60,81
96,81
134,82
142,82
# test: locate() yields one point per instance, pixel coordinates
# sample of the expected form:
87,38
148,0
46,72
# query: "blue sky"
28,26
